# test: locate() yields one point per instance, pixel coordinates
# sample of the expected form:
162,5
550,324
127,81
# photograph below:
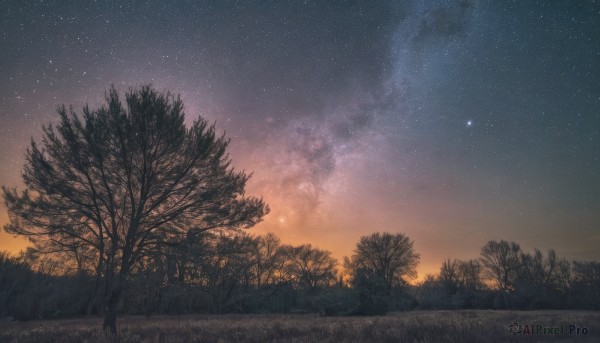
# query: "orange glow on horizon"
339,248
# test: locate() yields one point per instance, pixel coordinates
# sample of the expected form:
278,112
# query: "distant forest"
235,272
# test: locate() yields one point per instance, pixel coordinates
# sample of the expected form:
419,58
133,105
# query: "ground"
414,326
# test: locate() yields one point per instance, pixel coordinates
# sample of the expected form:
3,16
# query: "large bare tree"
114,180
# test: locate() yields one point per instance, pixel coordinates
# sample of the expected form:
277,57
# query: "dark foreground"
416,326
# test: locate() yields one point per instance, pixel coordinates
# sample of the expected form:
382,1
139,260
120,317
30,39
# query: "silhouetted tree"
449,276
308,268
268,258
543,280
501,262
586,284
228,268
469,275
386,256
117,179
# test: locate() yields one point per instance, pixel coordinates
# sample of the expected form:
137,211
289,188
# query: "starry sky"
454,122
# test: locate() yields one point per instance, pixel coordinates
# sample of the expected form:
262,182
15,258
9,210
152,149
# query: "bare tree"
543,277
388,257
309,268
501,262
113,178
227,268
449,276
268,259
469,275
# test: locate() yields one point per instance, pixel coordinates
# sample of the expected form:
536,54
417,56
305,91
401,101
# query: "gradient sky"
454,122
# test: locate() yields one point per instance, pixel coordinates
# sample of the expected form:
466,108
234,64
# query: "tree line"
507,277
236,272
210,272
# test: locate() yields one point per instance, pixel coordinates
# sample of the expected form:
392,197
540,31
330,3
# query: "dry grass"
417,326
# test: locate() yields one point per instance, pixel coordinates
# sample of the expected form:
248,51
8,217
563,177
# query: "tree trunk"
111,304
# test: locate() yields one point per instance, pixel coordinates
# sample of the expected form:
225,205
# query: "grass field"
415,326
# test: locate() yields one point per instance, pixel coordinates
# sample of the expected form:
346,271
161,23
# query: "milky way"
455,122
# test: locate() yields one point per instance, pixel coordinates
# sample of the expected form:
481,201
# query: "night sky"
454,122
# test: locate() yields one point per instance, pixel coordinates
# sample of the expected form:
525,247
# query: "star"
469,123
